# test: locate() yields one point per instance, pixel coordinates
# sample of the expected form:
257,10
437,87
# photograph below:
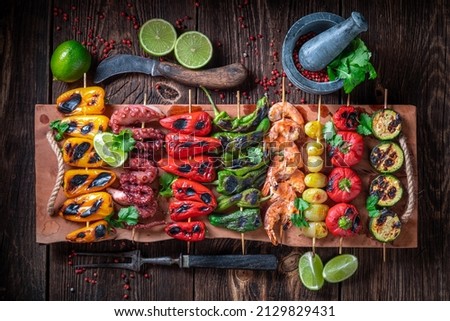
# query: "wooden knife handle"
225,77
267,262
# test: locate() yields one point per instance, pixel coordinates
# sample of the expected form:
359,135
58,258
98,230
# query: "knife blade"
225,77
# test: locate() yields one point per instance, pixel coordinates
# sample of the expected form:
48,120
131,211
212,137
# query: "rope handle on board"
409,169
59,176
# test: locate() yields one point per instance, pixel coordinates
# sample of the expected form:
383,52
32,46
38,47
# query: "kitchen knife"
225,77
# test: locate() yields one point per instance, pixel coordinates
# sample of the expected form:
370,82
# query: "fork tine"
112,254
127,266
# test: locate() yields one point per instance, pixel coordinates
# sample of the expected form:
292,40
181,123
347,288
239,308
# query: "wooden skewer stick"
190,111
384,252
283,92
385,98
84,80
340,245
348,100
314,244
238,107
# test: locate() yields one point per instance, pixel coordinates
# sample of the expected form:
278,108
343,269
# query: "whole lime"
70,61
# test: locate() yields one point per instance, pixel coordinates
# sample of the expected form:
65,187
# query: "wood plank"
128,90
23,78
408,41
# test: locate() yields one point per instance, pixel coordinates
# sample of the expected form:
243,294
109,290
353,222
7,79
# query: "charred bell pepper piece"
200,168
197,123
182,210
96,231
82,181
344,185
80,126
248,199
242,124
187,190
182,145
346,149
80,152
229,183
87,208
82,101
343,220
244,220
249,157
186,231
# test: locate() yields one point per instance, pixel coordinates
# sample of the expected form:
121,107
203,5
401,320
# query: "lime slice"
193,50
157,37
310,270
103,144
340,268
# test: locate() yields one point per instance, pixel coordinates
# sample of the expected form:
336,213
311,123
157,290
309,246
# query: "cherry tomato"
313,129
314,149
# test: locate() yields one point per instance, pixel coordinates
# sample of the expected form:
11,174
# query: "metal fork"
227,261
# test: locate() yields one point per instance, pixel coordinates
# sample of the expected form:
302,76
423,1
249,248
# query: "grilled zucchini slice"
386,227
386,124
387,188
387,157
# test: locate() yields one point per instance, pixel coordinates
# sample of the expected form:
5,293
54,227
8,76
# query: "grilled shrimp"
285,130
278,212
282,110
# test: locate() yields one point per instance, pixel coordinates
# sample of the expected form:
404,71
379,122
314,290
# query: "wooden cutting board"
52,229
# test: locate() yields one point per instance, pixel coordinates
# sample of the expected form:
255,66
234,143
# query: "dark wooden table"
409,41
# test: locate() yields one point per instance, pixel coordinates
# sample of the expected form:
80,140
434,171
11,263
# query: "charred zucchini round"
387,188
387,157
386,124
386,227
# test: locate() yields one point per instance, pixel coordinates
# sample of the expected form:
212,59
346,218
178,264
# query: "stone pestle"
318,52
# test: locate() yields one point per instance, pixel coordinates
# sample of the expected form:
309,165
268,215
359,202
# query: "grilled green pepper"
232,142
248,157
242,124
230,183
244,220
248,198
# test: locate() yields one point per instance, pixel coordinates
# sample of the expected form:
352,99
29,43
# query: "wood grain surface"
409,41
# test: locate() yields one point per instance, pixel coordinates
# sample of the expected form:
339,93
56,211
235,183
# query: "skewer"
348,100
385,98
340,244
190,111
238,107
384,252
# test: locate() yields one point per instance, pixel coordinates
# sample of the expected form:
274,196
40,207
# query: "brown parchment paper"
52,229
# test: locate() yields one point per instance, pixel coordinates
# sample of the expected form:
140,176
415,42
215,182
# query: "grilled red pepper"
343,220
346,118
198,123
187,190
186,231
200,168
183,145
346,149
182,210
343,184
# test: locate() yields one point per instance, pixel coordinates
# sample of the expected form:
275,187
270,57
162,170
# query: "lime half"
193,50
157,37
310,269
340,268
103,144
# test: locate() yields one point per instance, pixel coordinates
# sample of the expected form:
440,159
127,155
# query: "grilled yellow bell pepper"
96,231
82,181
80,126
87,208
82,101
80,152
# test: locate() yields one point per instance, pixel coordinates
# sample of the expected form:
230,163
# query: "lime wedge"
310,268
157,37
103,145
340,268
193,50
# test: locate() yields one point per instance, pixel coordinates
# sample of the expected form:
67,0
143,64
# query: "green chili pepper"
249,198
234,142
238,125
245,220
248,157
229,183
